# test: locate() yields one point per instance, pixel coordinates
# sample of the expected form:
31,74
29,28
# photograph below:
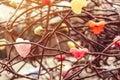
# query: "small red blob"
60,58
46,2
117,41
78,53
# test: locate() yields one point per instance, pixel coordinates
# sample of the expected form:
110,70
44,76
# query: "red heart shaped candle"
60,58
96,27
78,53
46,2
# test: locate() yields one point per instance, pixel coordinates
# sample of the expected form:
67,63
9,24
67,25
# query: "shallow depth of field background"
58,25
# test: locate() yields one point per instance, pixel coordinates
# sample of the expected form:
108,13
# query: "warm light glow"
17,1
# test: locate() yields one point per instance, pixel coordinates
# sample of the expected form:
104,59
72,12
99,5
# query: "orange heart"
96,27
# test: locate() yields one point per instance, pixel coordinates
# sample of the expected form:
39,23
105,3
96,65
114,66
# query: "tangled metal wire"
102,62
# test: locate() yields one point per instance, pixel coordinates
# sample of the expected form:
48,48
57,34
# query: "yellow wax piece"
38,30
77,5
13,3
71,44
59,66
2,47
64,27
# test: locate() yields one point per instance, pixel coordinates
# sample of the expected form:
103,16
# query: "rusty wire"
54,39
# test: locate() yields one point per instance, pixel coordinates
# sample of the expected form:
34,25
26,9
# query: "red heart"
22,49
96,28
59,58
78,53
46,2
